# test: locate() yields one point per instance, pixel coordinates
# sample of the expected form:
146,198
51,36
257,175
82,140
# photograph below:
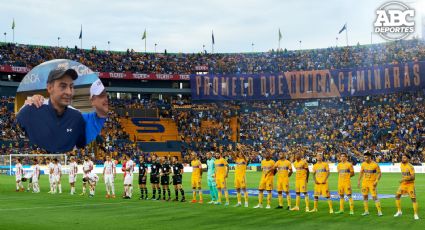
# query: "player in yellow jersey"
301,180
240,177
407,186
370,173
284,171
345,172
221,172
321,186
196,177
266,182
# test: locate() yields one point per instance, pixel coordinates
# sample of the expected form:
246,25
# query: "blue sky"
186,25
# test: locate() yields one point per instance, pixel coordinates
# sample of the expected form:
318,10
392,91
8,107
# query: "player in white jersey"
92,179
128,180
19,171
87,168
50,169
35,177
57,173
73,169
109,172
28,177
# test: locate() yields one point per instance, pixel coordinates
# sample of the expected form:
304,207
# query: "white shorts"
72,178
18,178
34,179
50,178
56,179
128,179
109,179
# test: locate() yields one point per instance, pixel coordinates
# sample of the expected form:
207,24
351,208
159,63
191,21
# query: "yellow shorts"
282,184
407,188
322,189
367,187
266,183
221,182
344,189
240,182
196,182
301,186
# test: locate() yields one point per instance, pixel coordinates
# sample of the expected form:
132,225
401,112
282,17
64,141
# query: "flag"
280,35
13,24
343,28
144,35
212,38
81,33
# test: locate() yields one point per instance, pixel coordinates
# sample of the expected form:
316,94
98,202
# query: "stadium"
301,135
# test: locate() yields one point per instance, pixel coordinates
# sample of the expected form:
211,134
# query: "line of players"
160,171
217,168
370,174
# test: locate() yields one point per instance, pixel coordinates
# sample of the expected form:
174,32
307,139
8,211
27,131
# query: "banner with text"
310,84
142,76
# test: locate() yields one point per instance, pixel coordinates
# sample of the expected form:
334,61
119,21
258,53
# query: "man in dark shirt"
143,171
165,177
155,168
55,126
177,178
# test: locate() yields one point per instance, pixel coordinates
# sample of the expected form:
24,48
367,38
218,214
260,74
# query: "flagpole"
346,35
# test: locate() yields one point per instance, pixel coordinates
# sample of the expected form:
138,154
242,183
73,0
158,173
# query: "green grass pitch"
23,210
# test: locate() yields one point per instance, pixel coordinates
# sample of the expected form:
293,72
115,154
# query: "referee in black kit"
178,178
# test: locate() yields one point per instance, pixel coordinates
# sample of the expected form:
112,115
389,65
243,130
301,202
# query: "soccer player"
165,178
124,172
87,168
266,182
128,180
73,169
221,173
240,177
154,178
28,177
345,172
211,177
143,171
407,186
109,173
92,179
50,166
57,173
284,171
177,179
35,177
321,186
196,178
19,172
370,173
301,180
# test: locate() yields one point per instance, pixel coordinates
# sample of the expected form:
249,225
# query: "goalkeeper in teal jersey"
211,178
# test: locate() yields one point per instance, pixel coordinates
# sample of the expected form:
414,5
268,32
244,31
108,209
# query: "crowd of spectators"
387,125
264,62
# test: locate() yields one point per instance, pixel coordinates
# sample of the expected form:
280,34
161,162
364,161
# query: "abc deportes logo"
394,21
